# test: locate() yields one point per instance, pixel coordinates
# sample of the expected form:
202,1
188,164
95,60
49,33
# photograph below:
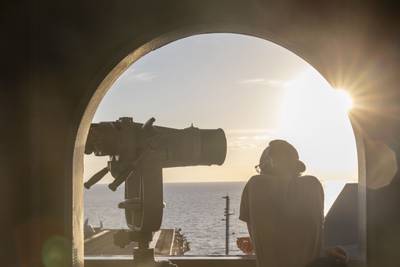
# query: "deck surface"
102,244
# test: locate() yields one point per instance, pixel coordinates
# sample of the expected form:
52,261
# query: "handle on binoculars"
95,178
117,182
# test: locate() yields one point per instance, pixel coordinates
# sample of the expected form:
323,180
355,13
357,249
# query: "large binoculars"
138,153
126,142
180,147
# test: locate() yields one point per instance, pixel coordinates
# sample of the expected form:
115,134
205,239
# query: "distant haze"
253,89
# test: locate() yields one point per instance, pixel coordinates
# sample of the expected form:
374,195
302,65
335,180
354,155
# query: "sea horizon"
203,208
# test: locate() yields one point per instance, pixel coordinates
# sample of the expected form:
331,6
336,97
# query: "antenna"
227,214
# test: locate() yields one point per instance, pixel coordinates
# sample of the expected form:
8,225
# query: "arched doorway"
108,81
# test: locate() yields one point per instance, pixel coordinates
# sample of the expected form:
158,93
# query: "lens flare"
344,99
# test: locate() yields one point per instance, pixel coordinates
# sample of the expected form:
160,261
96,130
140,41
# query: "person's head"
281,158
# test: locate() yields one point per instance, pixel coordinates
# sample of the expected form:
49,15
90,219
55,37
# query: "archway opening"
256,91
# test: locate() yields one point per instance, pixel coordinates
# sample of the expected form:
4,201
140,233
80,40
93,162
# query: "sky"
255,90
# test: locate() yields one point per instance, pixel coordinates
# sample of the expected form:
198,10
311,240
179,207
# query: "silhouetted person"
283,210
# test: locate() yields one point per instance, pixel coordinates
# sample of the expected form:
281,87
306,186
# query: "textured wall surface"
60,57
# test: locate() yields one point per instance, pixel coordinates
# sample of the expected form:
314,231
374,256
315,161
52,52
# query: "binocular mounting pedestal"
143,255
138,153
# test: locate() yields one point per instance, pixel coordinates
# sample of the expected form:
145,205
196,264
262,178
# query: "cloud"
250,131
269,82
253,81
279,83
241,144
144,76
131,75
243,139
261,137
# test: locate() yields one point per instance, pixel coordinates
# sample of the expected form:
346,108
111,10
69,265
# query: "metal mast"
227,214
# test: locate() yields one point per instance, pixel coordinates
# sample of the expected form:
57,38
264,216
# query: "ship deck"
166,242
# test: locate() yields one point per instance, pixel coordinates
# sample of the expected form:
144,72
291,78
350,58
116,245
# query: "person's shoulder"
253,181
257,178
310,181
259,181
311,185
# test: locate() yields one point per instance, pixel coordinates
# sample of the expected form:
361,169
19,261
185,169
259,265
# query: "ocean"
196,208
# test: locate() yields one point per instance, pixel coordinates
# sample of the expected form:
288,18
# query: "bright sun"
314,117
344,99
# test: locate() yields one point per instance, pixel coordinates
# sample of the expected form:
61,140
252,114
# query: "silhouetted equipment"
341,223
138,153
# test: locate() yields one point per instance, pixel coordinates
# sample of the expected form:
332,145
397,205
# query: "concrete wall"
60,57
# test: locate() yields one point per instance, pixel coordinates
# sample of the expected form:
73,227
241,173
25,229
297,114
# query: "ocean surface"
196,208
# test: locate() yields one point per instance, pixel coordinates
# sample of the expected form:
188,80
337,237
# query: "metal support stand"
143,255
